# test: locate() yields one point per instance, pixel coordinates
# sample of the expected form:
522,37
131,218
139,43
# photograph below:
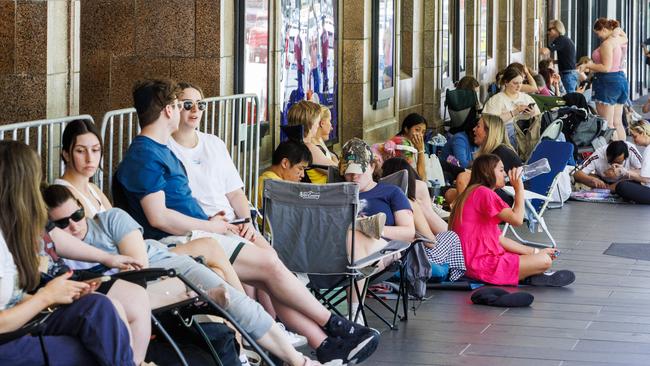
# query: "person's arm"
404,228
515,215
67,246
176,223
589,180
58,291
646,107
635,175
239,203
606,54
133,245
460,148
318,158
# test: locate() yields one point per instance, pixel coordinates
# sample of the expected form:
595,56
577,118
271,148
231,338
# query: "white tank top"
92,206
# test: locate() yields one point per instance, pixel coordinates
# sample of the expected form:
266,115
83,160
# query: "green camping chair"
545,103
461,105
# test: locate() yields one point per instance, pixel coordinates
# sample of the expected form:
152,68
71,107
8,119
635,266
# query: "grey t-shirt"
108,228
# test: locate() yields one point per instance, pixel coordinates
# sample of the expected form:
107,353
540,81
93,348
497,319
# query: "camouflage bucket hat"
356,157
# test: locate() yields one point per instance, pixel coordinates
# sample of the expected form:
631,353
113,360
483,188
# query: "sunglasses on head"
65,222
200,104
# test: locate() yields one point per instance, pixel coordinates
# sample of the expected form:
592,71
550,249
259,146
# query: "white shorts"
230,243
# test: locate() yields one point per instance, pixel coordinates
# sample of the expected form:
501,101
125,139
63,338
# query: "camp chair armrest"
379,255
147,274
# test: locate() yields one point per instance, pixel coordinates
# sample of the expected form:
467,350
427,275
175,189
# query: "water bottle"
534,169
434,189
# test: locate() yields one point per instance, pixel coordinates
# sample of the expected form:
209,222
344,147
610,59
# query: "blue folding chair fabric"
558,155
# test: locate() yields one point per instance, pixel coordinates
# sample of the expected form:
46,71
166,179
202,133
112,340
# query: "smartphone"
586,84
99,279
245,220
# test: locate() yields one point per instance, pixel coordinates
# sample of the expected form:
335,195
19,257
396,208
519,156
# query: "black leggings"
634,191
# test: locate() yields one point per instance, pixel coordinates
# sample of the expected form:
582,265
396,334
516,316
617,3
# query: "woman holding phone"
511,104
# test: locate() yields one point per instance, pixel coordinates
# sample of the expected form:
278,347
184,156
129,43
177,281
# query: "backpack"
527,134
418,271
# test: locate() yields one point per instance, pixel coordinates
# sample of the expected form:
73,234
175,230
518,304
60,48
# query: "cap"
356,157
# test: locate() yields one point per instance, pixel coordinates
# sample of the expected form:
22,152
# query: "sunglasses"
65,222
200,104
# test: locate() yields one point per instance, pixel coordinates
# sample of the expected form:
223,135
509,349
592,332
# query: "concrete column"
123,41
23,60
358,119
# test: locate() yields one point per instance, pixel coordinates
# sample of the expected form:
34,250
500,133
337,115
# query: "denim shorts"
610,88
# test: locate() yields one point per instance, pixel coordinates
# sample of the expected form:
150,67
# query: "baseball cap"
356,157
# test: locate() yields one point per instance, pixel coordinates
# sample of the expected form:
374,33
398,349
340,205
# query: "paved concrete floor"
602,319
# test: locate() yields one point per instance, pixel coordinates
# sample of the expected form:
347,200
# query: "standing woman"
82,154
637,187
86,328
609,84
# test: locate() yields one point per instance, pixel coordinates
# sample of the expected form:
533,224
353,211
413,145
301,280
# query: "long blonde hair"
496,134
23,214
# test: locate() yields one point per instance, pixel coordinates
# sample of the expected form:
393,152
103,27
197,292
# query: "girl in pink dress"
490,257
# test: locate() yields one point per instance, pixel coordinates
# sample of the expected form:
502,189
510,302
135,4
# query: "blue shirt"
385,198
460,147
149,167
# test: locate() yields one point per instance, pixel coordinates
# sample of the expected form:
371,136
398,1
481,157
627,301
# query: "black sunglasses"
201,105
65,222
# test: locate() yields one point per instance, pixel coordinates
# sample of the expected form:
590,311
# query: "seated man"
289,161
609,164
159,197
114,231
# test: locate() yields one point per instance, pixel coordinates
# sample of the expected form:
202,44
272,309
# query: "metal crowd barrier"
234,119
45,136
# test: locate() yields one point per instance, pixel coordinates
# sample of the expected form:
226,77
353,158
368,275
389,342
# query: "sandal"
252,358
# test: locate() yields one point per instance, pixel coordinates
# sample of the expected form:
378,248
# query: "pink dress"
486,260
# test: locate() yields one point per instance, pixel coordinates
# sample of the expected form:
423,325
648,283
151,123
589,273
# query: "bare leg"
436,224
263,269
275,342
214,256
532,264
135,305
618,122
607,112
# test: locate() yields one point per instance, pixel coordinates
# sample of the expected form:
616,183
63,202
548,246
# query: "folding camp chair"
309,226
461,106
546,103
540,189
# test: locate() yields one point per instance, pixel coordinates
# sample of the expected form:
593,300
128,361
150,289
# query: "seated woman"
552,81
81,151
323,134
308,115
512,103
542,89
115,231
490,135
489,256
86,328
637,185
447,248
609,165
461,146
407,144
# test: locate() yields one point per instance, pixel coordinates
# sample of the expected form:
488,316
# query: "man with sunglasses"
566,54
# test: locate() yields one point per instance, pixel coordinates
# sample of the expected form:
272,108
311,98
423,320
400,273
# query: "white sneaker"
440,212
295,339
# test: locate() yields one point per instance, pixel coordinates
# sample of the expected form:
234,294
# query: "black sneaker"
338,326
337,349
559,278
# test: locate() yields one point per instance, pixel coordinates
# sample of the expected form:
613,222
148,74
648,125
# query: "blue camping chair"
540,189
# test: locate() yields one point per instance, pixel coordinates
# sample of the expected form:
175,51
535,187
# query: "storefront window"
308,56
256,51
